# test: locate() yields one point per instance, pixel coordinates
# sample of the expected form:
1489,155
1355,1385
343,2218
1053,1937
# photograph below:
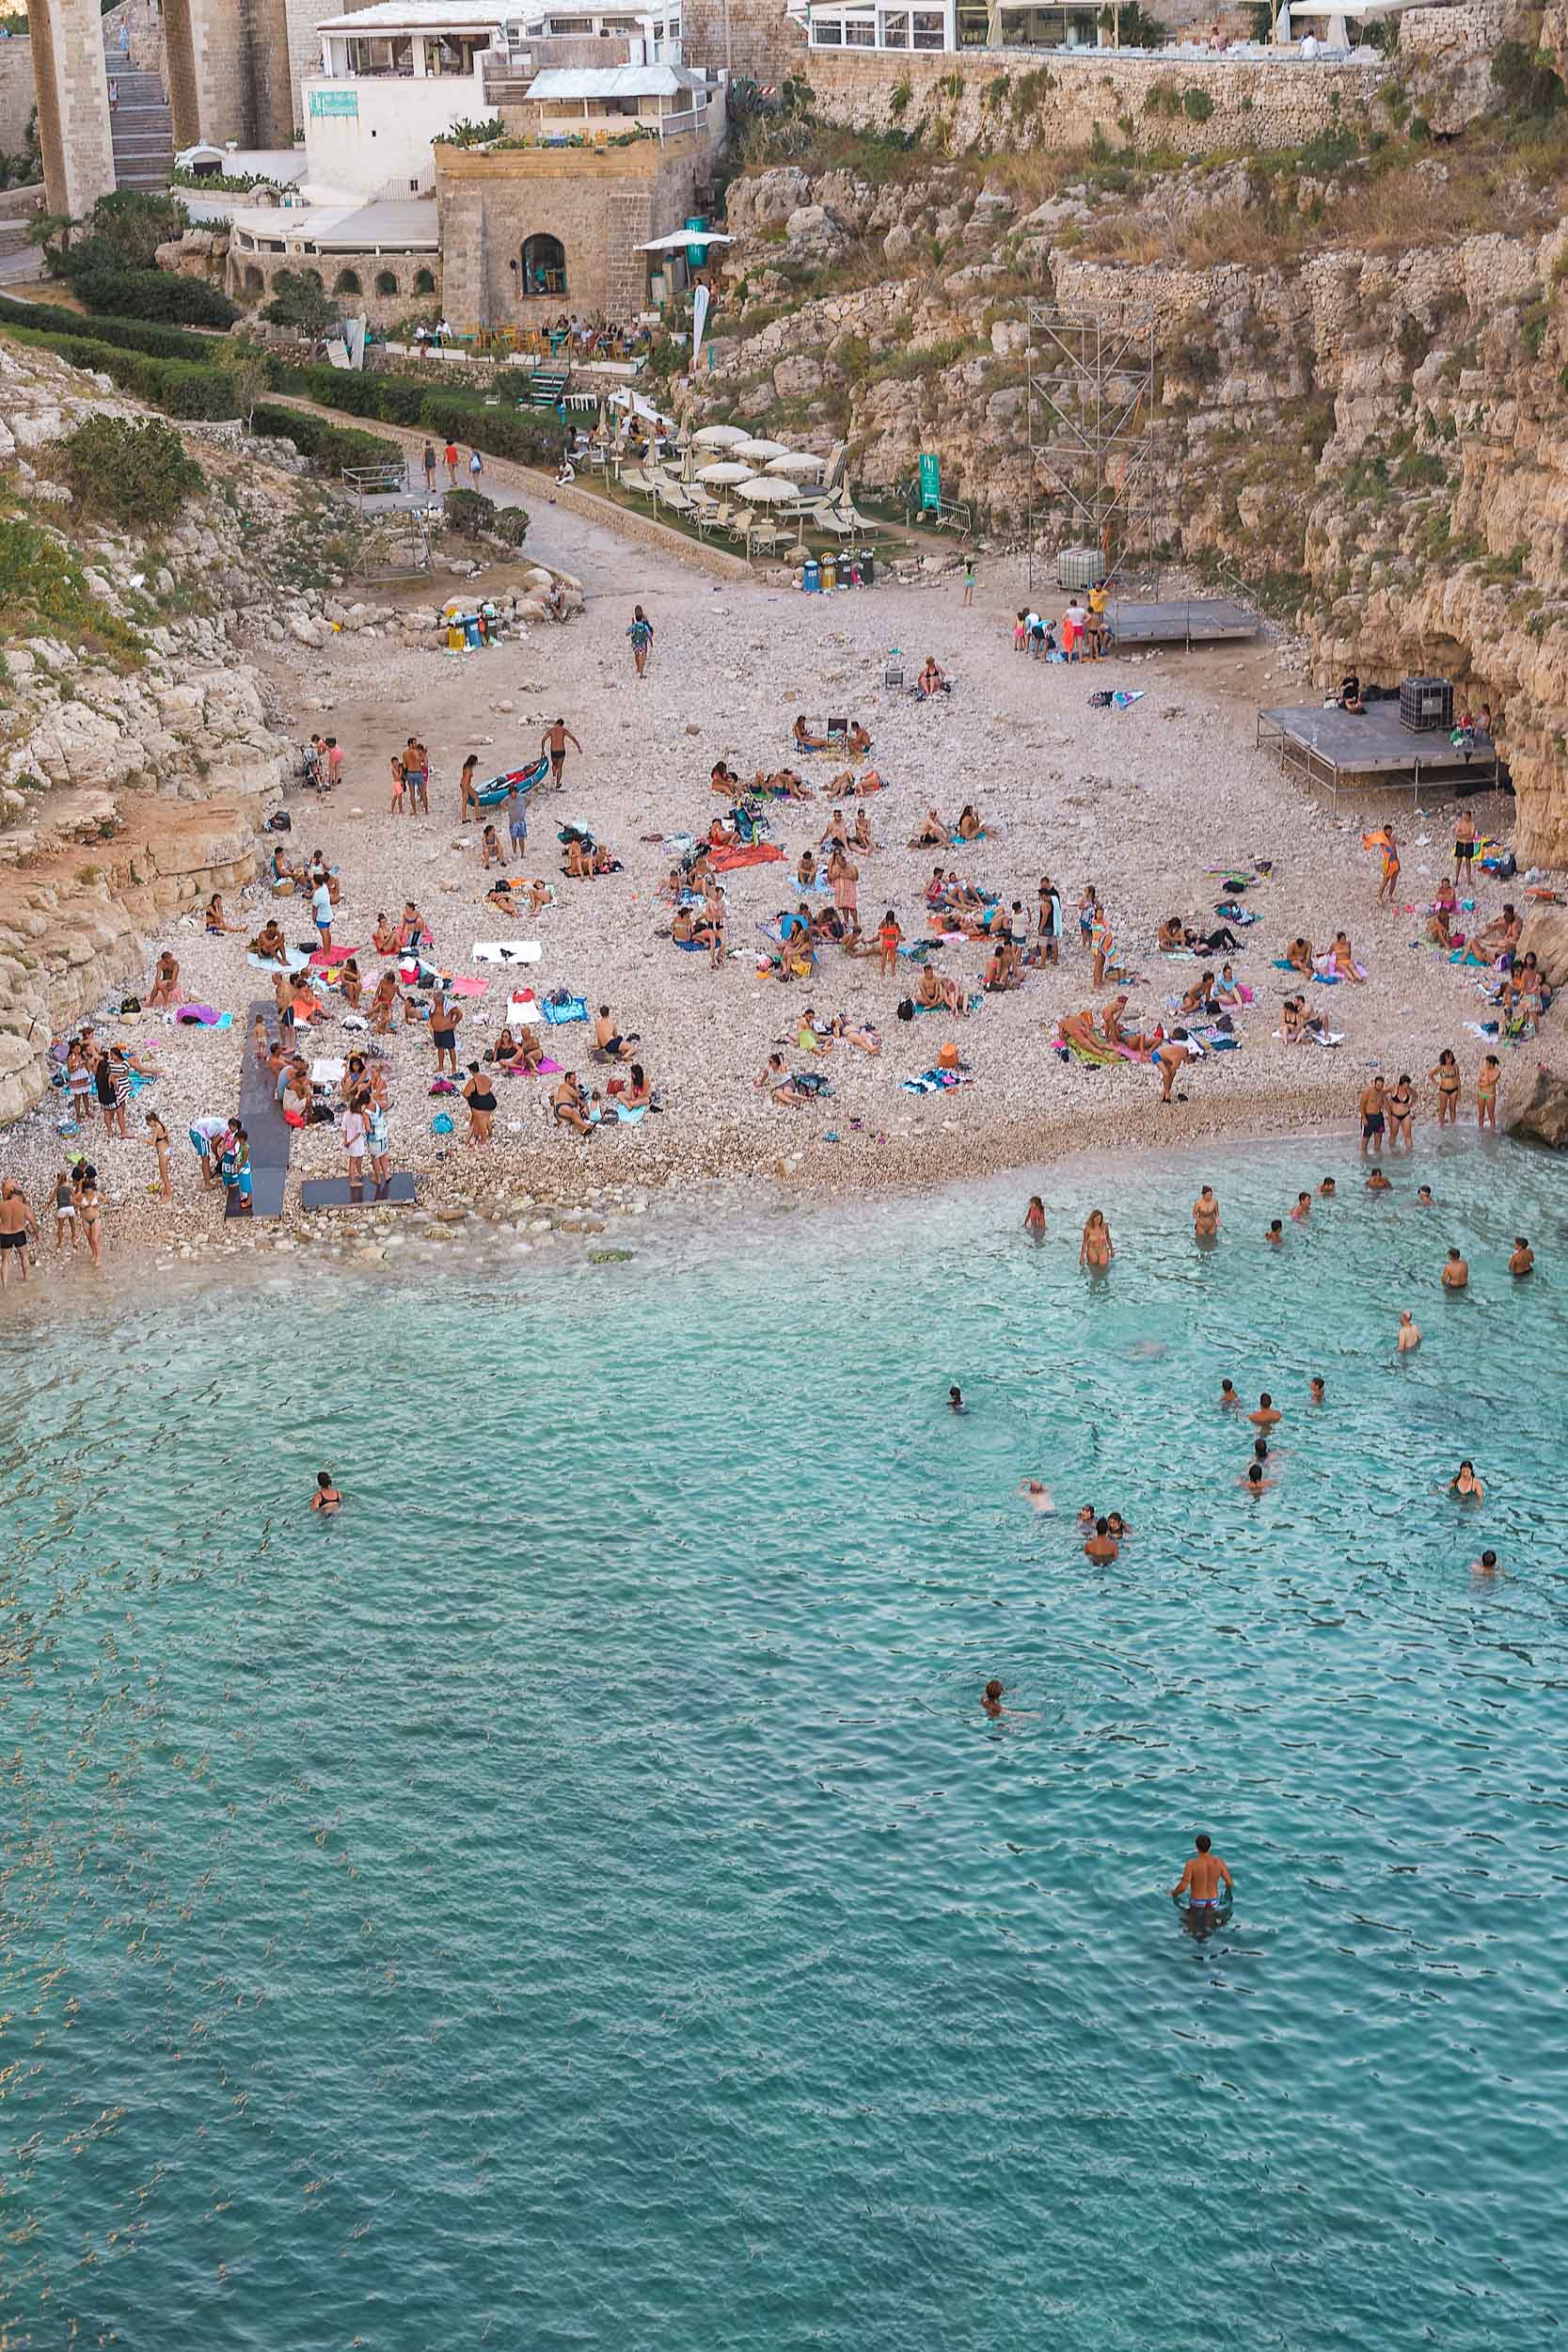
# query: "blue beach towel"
568,1009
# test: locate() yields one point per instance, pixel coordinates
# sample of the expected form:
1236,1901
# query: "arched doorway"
544,266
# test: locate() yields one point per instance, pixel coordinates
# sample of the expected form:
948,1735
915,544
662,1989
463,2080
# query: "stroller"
311,769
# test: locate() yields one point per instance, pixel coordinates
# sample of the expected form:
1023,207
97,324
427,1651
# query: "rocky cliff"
136,750
1361,350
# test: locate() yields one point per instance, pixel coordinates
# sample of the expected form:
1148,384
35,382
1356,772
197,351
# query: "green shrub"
511,524
138,473
42,590
1140,29
297,300
1197,105
390,399
469,512
150,294
329,447
473,134
534,436
124,230
1525,79
903,90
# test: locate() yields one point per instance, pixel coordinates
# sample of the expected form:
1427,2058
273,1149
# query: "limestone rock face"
1544,1117
1545,937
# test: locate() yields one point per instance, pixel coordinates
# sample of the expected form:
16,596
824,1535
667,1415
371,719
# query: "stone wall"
1197,109
601,203
16,94
250,276
751,37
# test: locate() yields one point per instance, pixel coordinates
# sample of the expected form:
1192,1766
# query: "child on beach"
400,785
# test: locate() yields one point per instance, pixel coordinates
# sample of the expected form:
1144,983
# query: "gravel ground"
1140,801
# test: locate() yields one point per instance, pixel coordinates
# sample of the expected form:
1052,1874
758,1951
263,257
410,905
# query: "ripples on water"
573,1899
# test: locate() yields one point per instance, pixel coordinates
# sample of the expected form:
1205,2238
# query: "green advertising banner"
335,102
930,485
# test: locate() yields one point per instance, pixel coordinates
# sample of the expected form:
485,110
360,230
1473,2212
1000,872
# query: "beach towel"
508,950
560,1010
1096,1056
745,853
292,960
202,1017
546,1068
136,1079
936,1082
325,957
463,987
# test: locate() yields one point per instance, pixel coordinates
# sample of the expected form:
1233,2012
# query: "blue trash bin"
811,577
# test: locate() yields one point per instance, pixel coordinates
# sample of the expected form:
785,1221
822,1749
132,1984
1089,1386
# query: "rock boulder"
1544,1117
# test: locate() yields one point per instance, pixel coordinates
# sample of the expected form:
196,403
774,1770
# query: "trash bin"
811,576
868,569
829,572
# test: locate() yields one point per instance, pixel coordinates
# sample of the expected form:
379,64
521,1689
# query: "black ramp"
268,1130
336,1192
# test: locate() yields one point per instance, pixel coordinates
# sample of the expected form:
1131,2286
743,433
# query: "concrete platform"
400,1191
1193,621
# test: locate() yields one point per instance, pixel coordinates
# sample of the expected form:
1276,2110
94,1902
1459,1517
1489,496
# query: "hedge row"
154,294
177,387
534,436
329,447
161,342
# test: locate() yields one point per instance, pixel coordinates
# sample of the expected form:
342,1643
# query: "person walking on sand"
415,769
554,741
969,579
888,938
1390,868
429,462
467,798
642,635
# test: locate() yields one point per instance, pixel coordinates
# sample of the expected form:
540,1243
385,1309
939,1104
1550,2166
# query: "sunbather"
938,993
932,833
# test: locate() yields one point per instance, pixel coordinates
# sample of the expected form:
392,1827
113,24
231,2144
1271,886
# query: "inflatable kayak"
501,788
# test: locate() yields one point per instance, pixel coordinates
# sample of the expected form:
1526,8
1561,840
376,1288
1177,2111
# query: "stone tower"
228,71
72,102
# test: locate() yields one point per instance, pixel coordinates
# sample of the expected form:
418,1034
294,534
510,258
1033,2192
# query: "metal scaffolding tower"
1091,431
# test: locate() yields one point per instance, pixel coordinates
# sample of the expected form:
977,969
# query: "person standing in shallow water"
1202,1879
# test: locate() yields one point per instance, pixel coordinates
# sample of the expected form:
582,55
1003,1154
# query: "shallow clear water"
575,1899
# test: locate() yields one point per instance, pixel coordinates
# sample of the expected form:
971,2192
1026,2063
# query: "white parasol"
796,461
720,436
758,450
762,489
725,472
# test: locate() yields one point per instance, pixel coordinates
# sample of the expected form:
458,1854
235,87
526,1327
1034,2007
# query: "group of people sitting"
849,736
936,833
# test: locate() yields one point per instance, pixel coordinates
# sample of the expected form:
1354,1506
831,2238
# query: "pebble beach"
1152,803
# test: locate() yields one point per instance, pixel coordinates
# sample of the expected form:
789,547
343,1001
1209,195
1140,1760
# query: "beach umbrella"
727,471
796,461
758,450
762,489
718,436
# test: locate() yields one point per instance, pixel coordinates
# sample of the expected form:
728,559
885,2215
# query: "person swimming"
1227,1394
1041,1496
326,1499
990,1698
956,1401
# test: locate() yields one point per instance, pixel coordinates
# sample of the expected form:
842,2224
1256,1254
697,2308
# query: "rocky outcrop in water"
1544,1117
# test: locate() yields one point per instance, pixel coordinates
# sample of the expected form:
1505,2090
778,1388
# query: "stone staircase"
142,131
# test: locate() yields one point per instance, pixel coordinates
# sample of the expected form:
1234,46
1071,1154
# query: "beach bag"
906,1010
947,1056
130,1004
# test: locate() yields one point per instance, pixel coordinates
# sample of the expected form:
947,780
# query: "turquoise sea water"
574,1898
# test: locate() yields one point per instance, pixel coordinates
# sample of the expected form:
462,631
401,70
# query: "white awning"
680,238
611,81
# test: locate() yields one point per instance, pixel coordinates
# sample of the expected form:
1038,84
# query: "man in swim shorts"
1201,1879
554,741
1456,1272
18,1227
1371,1107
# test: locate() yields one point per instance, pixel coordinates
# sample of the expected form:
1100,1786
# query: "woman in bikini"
383,1004
166,974
1096,1249
1399,1103
859,835
385,938
969,827
1446,1078
215,918
89,1208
